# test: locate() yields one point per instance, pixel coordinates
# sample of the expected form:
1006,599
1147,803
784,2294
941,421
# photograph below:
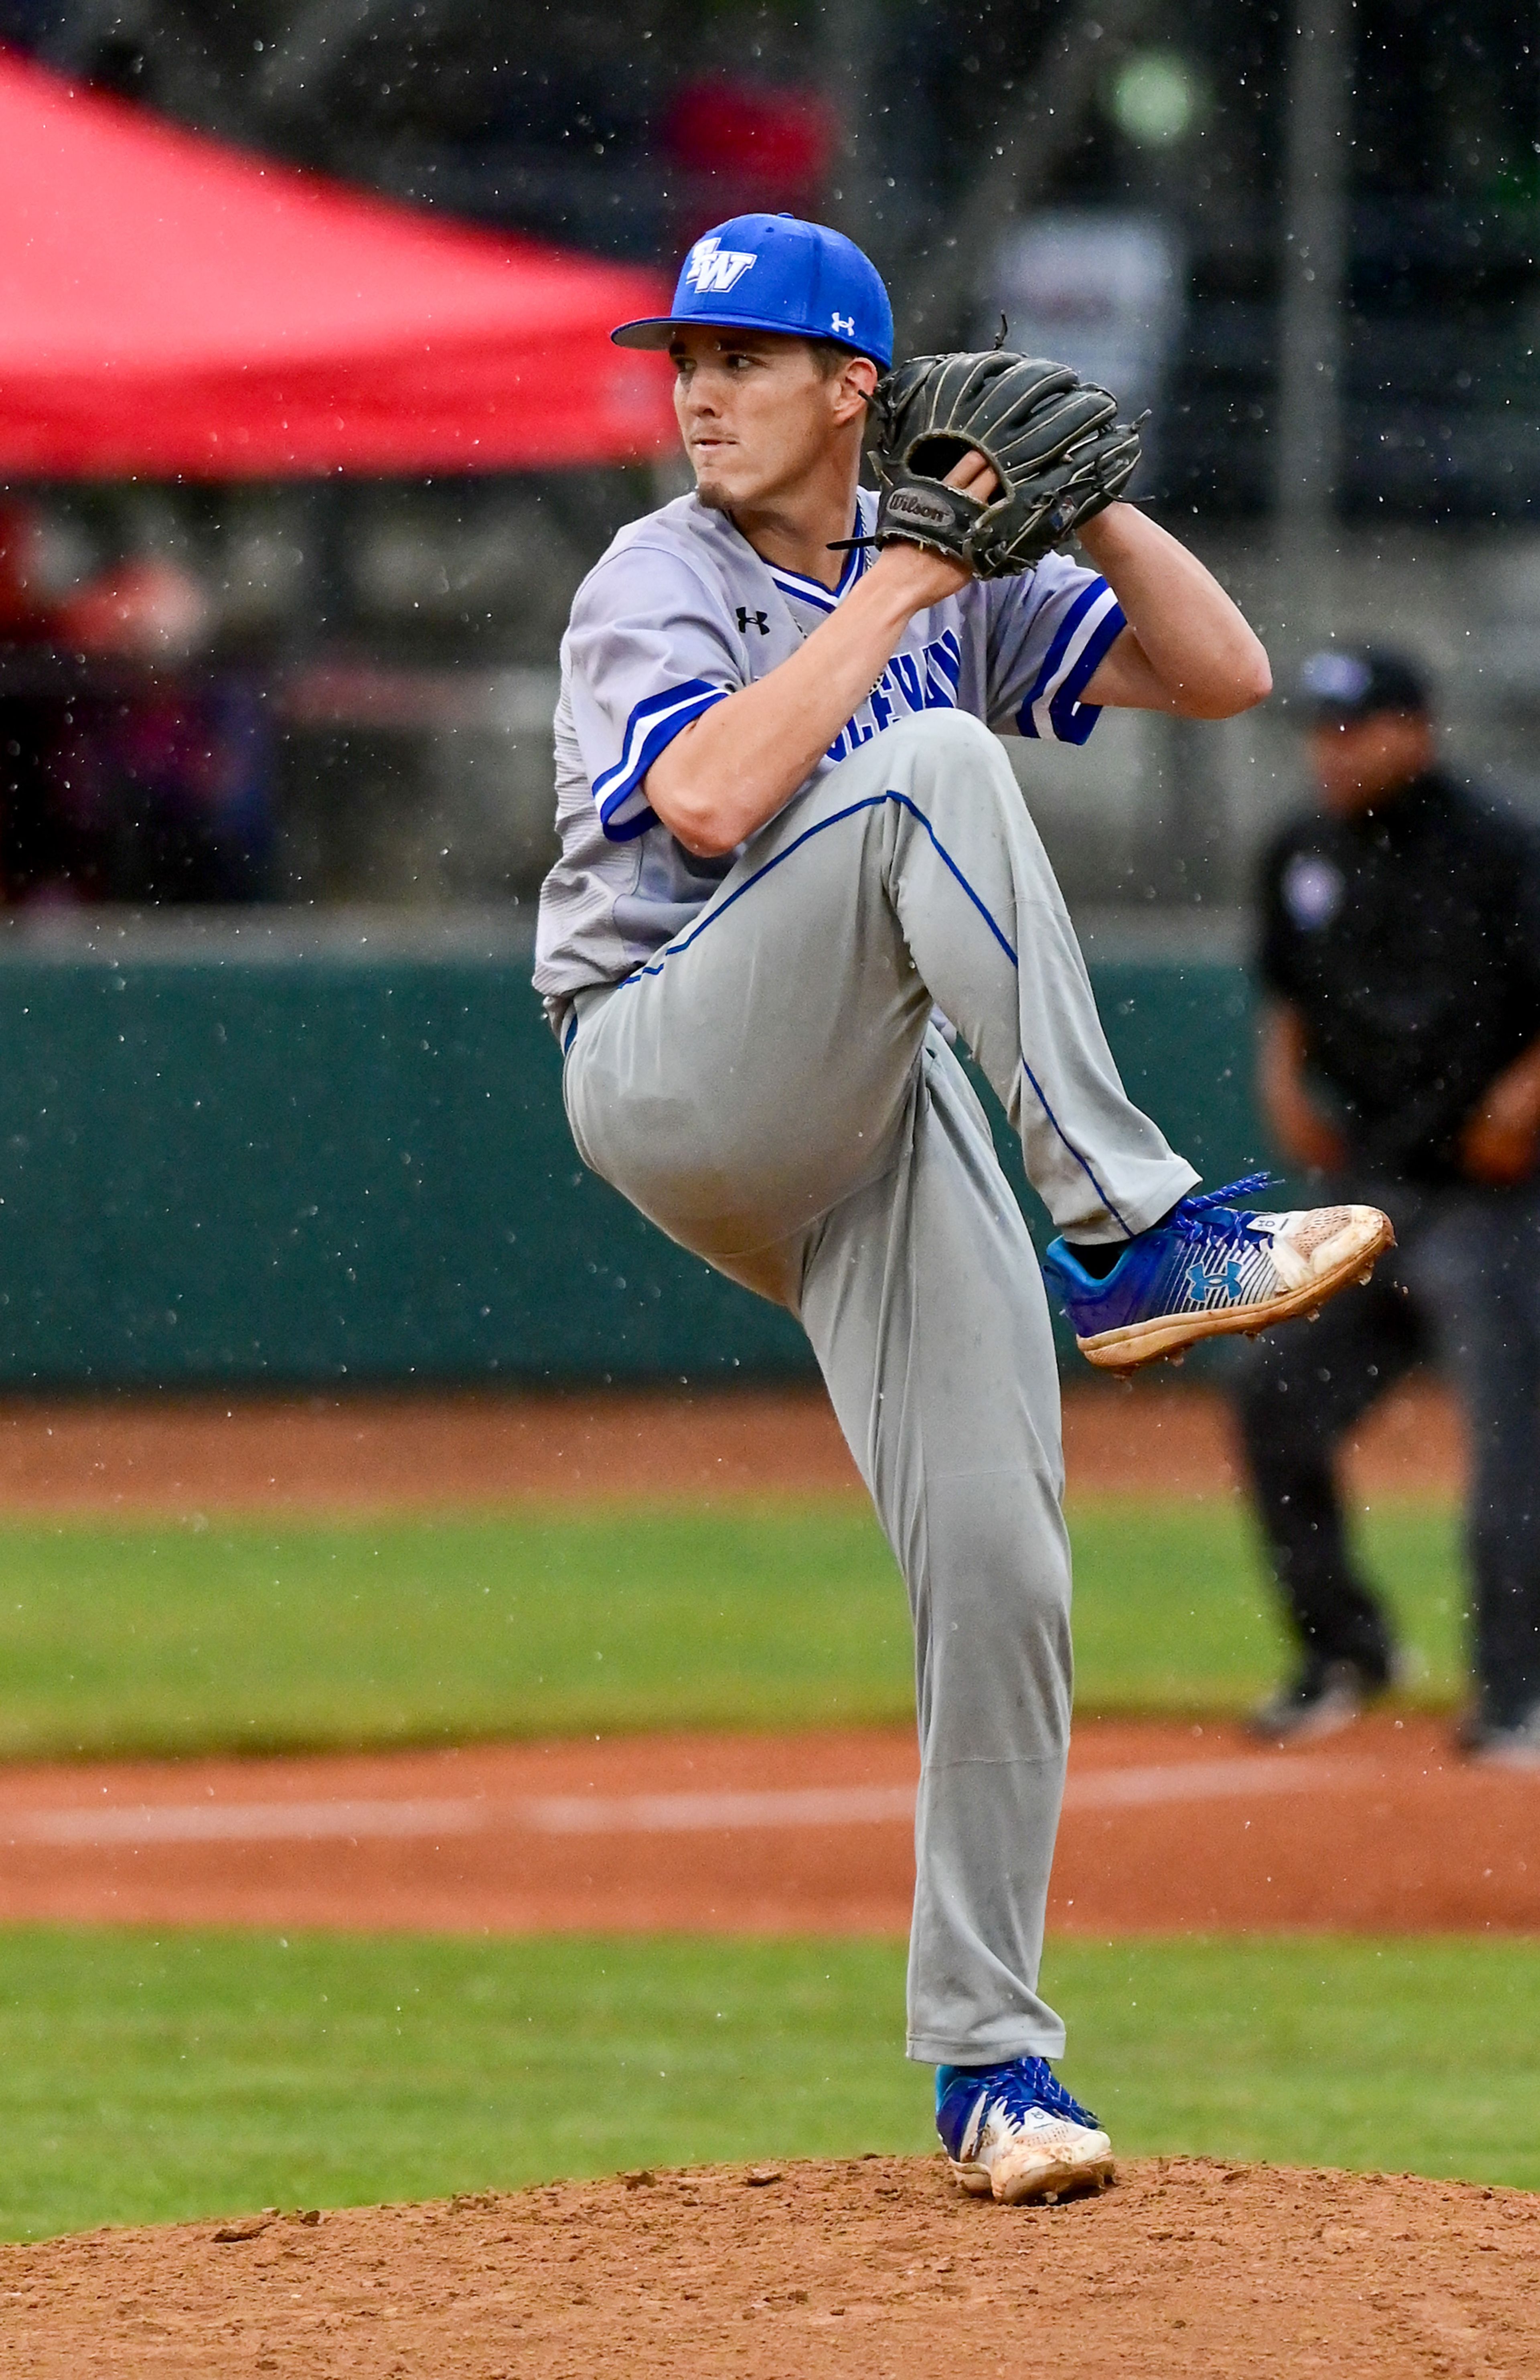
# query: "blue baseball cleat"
1013,2133
1212,1268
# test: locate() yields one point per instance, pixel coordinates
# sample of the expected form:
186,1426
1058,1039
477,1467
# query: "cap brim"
652,331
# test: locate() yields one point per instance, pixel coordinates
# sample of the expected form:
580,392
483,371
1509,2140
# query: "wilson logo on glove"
915,504
1054,442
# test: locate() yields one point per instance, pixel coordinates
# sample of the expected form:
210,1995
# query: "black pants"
1461,1289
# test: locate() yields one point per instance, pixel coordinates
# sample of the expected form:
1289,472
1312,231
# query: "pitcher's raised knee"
950,740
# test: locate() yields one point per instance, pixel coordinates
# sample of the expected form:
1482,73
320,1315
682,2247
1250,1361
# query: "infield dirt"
877,2266
460,1449
1165,1827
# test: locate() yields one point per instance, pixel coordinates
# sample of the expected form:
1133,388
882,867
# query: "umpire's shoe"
1212,1268
1325,1696
1510,1743
1013,2133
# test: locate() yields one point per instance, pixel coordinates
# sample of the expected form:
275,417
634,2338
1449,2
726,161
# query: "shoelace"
1031,2082
1209,1212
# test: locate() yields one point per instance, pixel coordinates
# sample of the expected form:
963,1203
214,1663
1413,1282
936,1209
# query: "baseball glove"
1057,447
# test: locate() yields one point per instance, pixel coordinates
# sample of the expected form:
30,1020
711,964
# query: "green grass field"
165,1639
145,2081
199,2074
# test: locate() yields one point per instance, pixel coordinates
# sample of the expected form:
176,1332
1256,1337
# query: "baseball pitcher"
796,863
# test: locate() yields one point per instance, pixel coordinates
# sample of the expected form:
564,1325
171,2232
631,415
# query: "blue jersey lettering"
903,670
944,671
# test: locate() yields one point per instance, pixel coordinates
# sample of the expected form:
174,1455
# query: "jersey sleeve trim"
1052,711
623,810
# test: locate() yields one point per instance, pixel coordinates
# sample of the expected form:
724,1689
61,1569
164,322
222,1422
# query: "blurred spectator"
762,149
146,610
1400,1058
160,795
29,609
124,779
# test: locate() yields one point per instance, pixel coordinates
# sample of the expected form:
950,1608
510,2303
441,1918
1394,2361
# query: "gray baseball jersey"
748,1060
679,614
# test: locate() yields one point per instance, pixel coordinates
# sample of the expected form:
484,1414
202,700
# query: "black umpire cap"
1352,682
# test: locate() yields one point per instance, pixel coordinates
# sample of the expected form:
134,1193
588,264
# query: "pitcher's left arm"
1187,649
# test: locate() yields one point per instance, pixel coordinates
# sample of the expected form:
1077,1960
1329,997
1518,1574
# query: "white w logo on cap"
712,267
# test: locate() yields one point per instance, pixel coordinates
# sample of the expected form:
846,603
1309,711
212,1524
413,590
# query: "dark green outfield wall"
230,1156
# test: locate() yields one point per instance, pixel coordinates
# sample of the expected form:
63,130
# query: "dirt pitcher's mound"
877,2266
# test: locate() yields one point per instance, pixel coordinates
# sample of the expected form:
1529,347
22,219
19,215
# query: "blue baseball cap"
775,273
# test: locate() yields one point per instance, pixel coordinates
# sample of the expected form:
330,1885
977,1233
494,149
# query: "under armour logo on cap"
845,323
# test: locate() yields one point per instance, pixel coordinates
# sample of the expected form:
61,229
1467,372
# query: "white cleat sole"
1021,2181
1349,1256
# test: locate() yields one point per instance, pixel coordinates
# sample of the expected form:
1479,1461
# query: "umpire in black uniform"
1400,1058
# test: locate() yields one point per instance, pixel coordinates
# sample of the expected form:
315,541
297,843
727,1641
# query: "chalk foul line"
642,1814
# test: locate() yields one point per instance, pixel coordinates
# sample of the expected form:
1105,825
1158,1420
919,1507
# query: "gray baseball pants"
771,1091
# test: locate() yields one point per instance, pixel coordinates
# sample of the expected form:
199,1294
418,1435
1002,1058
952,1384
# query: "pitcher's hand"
918,570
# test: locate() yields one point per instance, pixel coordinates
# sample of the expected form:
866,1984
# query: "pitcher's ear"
857,380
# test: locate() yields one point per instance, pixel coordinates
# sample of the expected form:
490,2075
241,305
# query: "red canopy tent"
169,307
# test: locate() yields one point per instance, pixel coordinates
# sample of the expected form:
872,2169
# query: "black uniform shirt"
1409,941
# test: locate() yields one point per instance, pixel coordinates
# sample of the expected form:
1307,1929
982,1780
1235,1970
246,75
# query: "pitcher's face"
758,415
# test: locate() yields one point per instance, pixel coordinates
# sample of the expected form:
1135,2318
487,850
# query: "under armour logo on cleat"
761,620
